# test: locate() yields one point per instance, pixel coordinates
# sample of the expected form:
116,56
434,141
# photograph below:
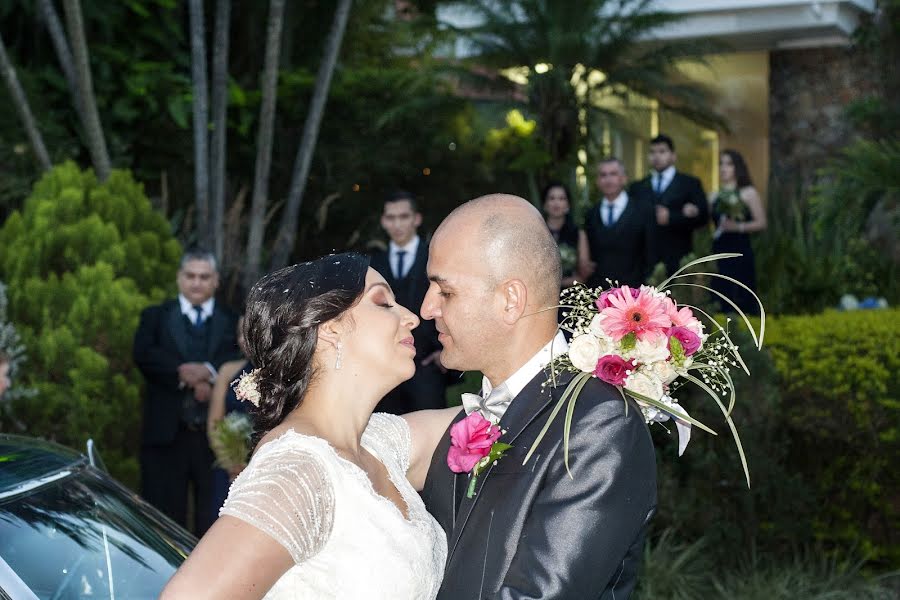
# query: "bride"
327,507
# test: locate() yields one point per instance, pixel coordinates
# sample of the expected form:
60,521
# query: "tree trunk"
287,233
92,128
21,101
63,55
201,121
264,144
219,94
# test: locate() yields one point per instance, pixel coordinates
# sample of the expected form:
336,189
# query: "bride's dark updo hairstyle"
284,311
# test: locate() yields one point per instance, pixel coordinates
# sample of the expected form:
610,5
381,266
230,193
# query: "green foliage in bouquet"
81,261
230,441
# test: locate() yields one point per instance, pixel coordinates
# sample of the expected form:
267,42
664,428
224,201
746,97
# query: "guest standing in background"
678,200
179,347
619,230
572,241
737,212
224,401
403,267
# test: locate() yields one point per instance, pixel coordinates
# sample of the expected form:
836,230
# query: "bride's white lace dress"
346,540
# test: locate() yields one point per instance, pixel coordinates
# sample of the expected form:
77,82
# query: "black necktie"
198,317
609,214
657,185
400,255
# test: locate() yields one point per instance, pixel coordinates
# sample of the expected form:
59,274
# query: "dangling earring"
340,356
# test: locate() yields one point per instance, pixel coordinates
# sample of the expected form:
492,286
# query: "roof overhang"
746,25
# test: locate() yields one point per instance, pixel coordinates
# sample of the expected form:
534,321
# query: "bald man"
529,530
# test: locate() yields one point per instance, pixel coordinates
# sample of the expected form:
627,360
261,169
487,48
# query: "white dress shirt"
619,205
206,309
518,380
411,247
667,175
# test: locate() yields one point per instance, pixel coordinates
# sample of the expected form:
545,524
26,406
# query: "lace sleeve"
285,492
389,436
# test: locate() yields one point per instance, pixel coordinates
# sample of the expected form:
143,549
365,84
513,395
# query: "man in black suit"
179,346
680,203
529,530
403,266
620,231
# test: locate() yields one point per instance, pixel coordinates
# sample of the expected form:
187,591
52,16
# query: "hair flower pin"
246,387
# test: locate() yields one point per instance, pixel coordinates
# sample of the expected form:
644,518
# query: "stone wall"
809,90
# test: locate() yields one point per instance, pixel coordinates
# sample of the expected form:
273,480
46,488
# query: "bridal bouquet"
230,441
731,205
647,345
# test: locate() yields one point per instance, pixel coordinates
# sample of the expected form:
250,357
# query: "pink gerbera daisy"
644,315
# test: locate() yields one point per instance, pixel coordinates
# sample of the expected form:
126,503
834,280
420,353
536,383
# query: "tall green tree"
93,129
264,140
200,120
572,41
218,145
20,101
287,232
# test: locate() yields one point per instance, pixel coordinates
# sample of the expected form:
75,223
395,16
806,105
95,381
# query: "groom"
530,531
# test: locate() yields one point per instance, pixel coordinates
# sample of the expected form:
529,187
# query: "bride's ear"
330,333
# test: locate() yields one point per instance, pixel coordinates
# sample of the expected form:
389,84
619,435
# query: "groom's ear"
515,298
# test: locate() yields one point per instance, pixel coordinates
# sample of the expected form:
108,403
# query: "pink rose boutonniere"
474,446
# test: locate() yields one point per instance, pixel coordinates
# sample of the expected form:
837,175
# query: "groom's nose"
429,309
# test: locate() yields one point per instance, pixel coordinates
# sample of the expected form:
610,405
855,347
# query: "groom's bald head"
513,242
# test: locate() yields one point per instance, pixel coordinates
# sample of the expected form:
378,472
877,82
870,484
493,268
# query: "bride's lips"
409,343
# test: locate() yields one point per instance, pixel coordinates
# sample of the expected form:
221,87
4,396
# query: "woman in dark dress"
737,212
223,401
572,241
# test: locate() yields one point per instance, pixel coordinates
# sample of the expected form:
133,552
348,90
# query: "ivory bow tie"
493,407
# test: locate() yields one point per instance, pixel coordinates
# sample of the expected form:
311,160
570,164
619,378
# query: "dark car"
68,530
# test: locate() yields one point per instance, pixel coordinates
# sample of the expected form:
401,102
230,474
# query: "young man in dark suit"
403,266
620,231
532,530
679,203
179,346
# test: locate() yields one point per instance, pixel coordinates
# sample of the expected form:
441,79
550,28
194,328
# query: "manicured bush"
838,373
81,261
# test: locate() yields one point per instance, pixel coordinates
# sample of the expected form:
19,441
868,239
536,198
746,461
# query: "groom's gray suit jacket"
533,532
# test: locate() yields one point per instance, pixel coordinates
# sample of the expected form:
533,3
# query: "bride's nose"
410,319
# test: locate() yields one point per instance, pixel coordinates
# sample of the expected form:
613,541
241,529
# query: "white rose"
664,371
596,327
651,350
645,385
584,352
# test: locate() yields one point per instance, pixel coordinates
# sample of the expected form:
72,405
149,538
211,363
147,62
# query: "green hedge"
838,375
81,261
819,423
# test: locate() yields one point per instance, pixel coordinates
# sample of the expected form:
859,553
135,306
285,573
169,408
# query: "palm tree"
201,119
21,102
219,95
63,54
264,144
93,128
572,40
287,232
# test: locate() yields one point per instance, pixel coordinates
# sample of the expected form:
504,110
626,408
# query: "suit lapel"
531,403
176,323
666,197
216,331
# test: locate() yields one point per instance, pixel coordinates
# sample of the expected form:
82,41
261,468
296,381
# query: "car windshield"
84,536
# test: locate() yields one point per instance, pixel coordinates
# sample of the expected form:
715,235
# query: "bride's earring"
338,362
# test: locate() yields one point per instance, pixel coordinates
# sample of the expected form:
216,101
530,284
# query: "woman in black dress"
572,241
223,401
737,212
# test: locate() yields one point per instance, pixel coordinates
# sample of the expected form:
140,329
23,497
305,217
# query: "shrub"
82,260
837,372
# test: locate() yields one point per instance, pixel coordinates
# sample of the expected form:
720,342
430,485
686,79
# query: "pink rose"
470,441
612,369
690,341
